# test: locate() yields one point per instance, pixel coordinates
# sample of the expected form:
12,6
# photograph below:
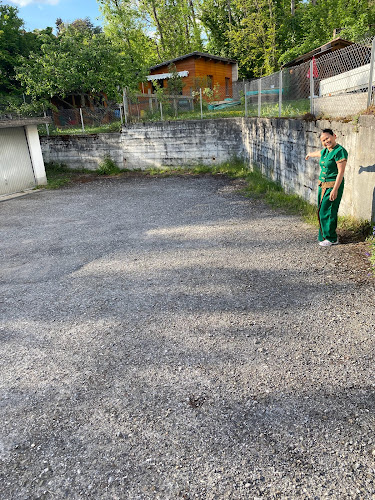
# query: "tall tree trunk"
229,13
156,19
292,7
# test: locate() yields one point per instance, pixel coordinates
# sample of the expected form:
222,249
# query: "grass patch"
371,253
272,192
77,130
59,175
356,227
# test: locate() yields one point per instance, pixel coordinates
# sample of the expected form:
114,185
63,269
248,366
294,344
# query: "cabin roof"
196,55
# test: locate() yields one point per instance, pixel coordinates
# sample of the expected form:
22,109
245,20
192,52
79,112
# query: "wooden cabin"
197,70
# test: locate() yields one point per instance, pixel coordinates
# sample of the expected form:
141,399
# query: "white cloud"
23,3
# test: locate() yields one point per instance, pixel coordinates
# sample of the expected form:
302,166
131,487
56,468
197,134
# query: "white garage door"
16,170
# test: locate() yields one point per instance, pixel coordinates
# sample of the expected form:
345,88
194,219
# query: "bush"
108,167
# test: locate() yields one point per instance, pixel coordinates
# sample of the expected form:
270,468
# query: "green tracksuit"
327,213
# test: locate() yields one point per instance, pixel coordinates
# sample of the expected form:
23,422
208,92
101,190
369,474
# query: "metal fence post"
370,82
259,97
200,96
161,111
311,87
246,99
121,115
280,91
45,116
83,125
125,105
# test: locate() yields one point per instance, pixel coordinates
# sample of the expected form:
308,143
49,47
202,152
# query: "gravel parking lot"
166,338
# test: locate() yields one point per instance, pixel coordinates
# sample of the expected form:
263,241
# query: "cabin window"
210,81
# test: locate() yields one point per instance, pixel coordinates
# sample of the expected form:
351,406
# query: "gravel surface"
166,338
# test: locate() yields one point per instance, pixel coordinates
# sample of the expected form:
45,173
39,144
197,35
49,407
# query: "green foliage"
78,62
16,104
14,42
108,167
350,224
106,128
175,82
313,25
160,93
175,27
59,175
128,30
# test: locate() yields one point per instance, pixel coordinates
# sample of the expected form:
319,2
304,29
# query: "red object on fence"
315,69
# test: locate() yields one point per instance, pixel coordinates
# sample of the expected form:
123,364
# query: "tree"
126,28
14,42
318,19
253,42
174,27
219,18
77,62
79,24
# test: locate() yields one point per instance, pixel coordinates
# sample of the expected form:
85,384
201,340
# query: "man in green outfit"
331,185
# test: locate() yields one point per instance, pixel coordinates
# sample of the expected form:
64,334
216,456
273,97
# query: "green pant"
327,214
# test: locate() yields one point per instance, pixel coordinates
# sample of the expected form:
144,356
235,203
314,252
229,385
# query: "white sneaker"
327,243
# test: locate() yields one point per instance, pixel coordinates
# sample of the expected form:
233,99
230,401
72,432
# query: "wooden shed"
197,69
337,44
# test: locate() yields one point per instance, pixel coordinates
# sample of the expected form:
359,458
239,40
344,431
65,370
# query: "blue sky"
38,14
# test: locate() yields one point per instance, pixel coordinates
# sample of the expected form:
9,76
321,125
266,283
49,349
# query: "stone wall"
277,146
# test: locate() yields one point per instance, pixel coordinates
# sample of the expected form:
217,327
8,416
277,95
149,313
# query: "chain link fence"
80,119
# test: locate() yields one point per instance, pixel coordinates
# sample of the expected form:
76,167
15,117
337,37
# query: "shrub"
108,167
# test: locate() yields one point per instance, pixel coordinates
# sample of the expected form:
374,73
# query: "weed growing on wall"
108,167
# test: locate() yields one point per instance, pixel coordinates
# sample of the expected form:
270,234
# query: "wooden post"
150,100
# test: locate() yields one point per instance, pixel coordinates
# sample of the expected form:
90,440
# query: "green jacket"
328,159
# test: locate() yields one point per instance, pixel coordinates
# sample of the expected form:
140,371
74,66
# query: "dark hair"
327,131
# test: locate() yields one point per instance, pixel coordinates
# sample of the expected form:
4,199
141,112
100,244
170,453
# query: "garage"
21,160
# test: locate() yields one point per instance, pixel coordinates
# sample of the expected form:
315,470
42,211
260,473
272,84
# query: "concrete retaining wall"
151,145
277,146
86,151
